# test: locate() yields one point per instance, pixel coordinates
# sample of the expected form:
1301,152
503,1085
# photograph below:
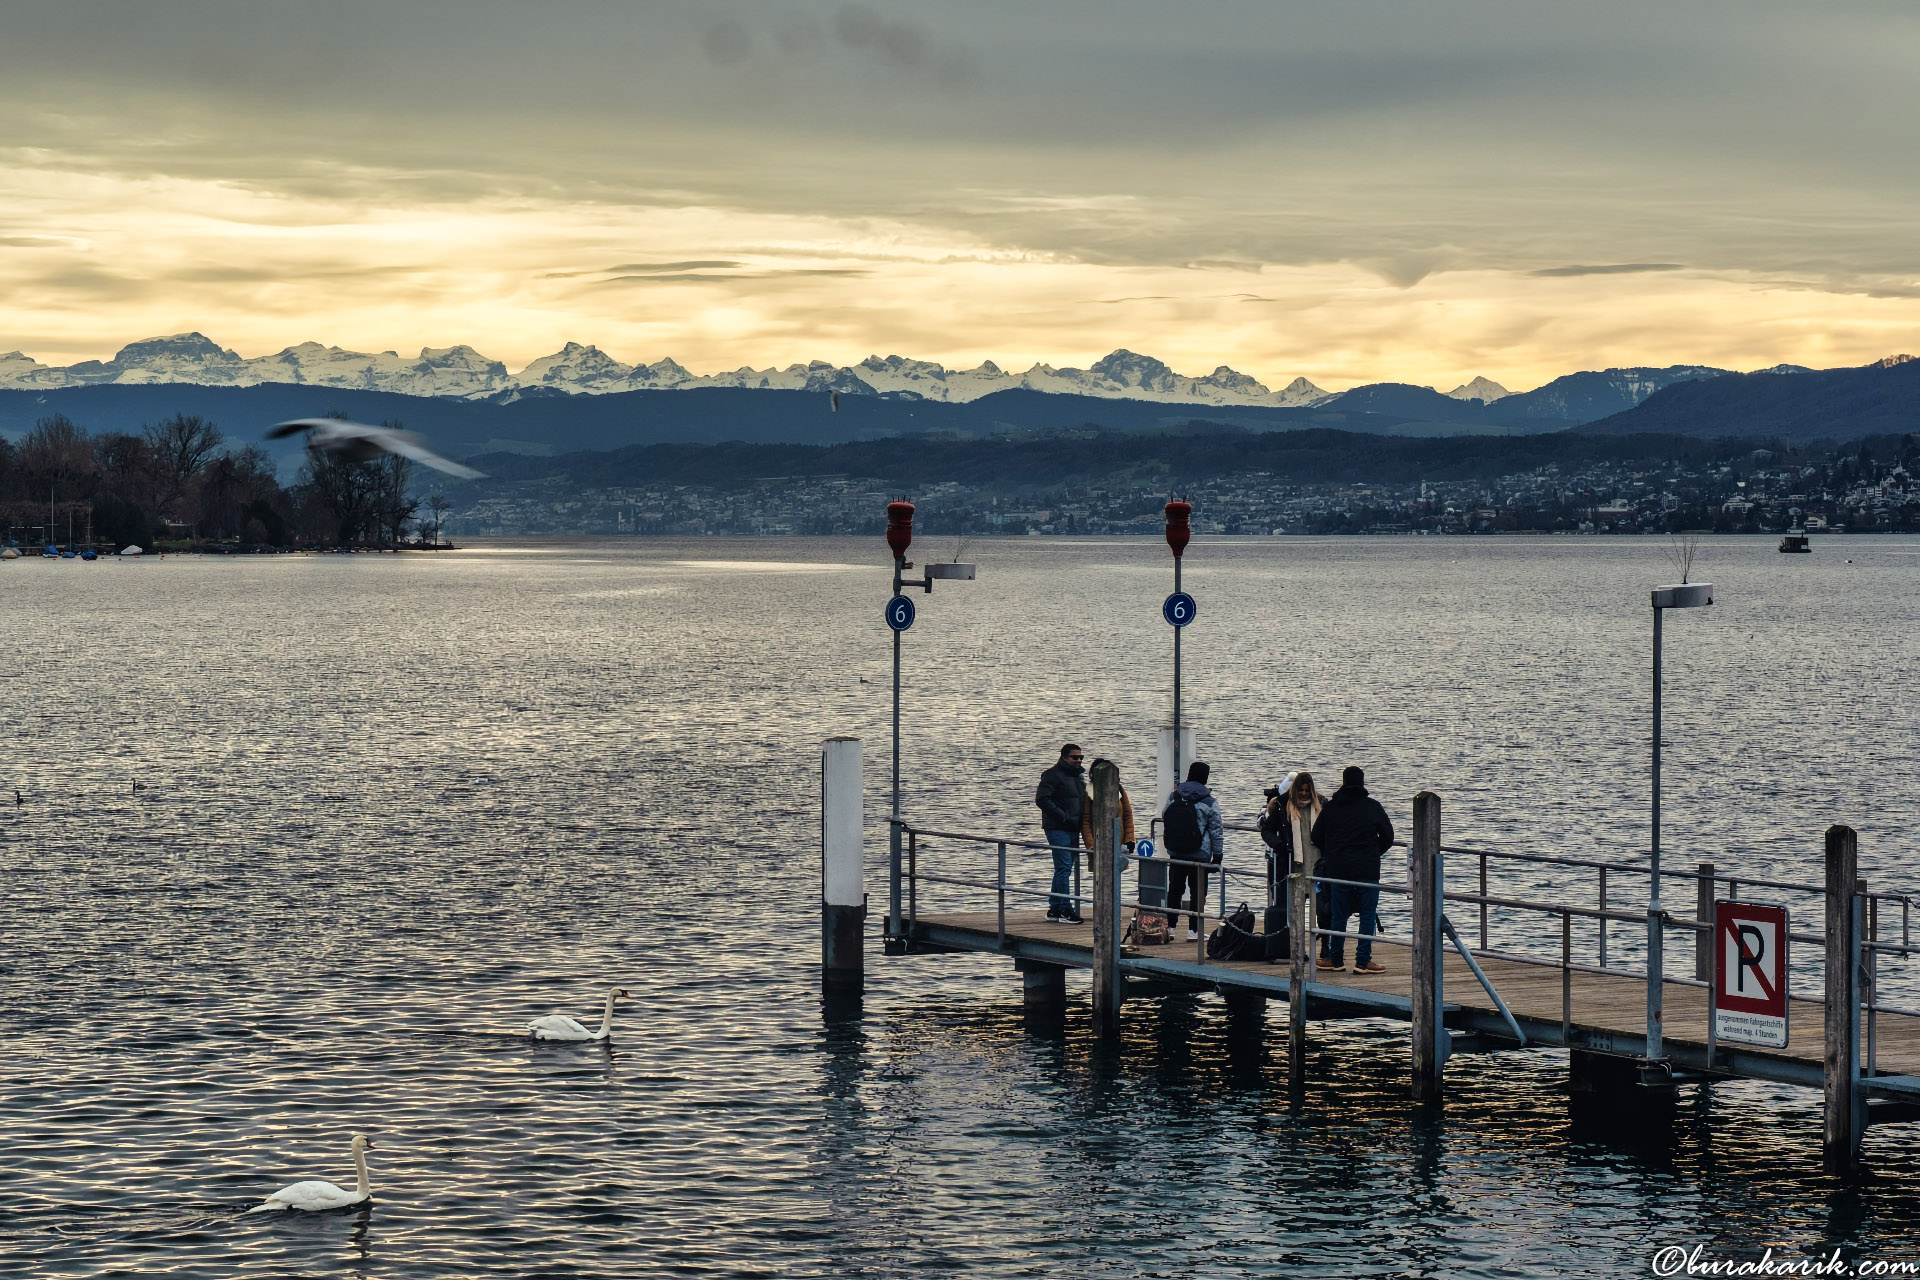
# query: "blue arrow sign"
1178,609
899,613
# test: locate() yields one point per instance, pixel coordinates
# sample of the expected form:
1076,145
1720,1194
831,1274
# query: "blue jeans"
1346,901
1065,845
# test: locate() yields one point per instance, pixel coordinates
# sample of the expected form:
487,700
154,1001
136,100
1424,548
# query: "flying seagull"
358,442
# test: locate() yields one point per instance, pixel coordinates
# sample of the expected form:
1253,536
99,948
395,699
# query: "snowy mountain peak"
575,366
1480,389
1129,369
581,369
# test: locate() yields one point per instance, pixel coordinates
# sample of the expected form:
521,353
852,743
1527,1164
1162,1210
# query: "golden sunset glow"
751,185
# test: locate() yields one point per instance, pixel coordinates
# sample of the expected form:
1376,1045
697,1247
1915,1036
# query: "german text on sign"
1750,973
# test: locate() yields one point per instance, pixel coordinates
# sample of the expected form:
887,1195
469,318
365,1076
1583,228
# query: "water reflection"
333,901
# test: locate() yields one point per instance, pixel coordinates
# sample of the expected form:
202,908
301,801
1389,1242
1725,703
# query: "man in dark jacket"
1062,797
1352,832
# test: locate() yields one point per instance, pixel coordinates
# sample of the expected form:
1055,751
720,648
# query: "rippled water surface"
303,840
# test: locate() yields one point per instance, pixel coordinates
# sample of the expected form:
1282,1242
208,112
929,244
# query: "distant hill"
1834,404
553,422
1038,462
1581,398
1568,401
1841,404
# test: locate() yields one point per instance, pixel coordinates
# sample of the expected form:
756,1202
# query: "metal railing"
1601,913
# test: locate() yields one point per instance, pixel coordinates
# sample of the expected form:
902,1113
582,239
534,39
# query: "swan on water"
558,1026
316,1195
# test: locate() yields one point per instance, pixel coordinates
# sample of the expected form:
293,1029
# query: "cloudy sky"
1353,191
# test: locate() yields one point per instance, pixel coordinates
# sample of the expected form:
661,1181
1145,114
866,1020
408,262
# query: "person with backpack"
1352,832
1064,806
1192,830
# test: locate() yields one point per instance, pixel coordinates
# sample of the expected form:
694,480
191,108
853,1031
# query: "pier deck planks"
1601,1002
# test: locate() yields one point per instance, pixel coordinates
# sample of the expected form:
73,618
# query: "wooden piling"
1043,986
1703,912
1105,782
1302,918
1424,881
843,899
1845,1106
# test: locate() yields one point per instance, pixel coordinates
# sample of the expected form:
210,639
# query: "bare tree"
181,446
437,504
1681,553
392,508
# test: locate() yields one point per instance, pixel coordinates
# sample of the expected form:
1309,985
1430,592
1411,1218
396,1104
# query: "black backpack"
1233,940
1181,826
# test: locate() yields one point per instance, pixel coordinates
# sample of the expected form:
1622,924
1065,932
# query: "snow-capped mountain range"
463,373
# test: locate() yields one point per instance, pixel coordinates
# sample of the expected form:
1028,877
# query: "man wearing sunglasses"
1062,797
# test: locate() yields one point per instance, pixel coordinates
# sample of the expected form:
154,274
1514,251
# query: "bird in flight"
358,442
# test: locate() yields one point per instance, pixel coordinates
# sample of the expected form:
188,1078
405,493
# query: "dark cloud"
1746,135
1610,269
701,277
727,43
712,264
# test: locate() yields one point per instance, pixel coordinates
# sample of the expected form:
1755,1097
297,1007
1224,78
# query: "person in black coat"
1352,832
1062,797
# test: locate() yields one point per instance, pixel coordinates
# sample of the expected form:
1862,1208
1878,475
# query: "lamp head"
1179,525
899,527
1685,595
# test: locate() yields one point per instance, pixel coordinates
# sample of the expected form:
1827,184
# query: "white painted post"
843,899
1170,765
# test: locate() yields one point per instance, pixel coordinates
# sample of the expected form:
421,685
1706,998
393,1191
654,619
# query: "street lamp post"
1174,750
1179,533
900,615
1681,596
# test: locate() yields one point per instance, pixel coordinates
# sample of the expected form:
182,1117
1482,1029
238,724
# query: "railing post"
1845,1107
1001,884
843,900
1425,886
1106,899
1483,905
1703,912
1300,961
1566,978
1604,922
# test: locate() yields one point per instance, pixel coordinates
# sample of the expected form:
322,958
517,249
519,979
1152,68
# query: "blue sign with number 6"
1178,610
899,613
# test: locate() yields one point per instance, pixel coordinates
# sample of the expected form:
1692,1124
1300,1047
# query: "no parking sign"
1750,973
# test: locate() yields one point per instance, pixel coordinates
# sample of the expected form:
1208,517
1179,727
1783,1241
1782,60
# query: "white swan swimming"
316,1195
558,1026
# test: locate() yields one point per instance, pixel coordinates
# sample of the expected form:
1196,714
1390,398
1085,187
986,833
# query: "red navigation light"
899,527
1179,531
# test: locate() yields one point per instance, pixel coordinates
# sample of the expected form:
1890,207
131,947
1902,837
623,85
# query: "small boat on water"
1795,542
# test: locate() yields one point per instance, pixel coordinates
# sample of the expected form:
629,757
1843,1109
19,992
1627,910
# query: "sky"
1359,191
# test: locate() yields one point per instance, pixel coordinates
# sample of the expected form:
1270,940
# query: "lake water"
304,840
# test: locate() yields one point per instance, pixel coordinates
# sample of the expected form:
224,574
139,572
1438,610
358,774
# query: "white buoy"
843,898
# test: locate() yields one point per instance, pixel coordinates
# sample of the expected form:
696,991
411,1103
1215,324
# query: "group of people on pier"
1343,836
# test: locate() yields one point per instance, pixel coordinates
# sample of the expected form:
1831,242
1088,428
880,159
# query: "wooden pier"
1456,997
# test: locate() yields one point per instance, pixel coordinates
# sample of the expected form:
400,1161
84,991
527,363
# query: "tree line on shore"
181,482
